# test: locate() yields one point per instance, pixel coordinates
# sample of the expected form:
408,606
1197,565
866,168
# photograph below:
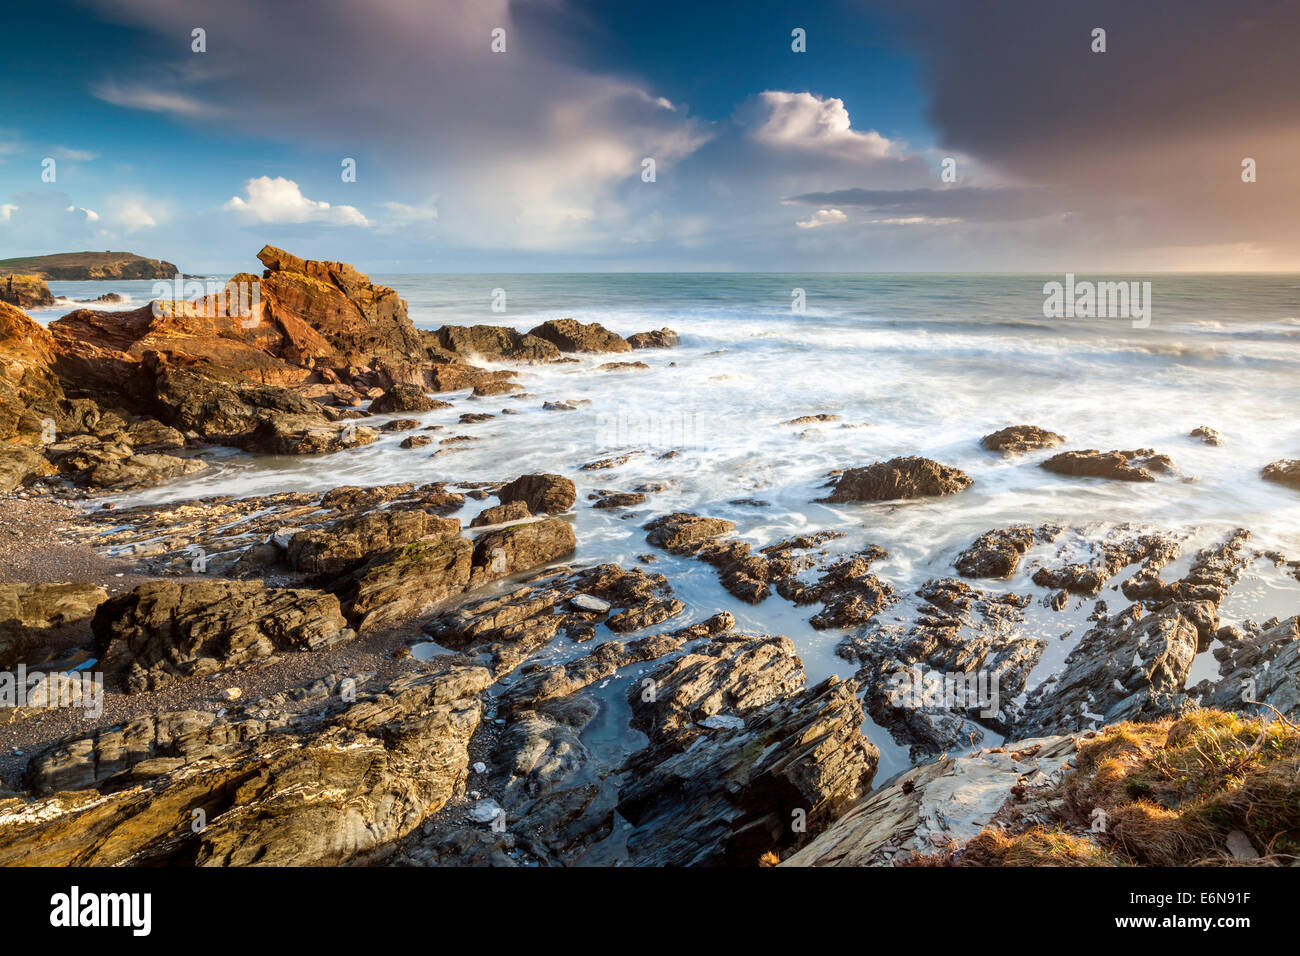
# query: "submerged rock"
543,493
1284,472
997,553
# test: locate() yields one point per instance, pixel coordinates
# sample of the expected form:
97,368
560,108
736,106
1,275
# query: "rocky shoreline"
354,676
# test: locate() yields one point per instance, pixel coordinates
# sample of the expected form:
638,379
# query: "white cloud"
154,100
403,212
6,211
279,200
90,214
915,221
803,121
823,217
76,155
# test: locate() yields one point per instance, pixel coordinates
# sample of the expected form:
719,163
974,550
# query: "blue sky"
1066,159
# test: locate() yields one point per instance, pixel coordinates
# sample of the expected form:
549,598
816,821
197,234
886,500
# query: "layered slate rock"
166,630
959,666
404,581
736,786
336,782
520,547
345,545
1259,668
897,479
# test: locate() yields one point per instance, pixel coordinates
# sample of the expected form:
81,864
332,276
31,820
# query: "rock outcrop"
1133,465
1283,472
570,335
1018,439
543,494
24,291
166,630
28,613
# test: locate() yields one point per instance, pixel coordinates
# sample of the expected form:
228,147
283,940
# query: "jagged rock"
564,680
1207,434
1118,550
1258,667
405,398
647,615
1132,465
1018,439
543,494
621,499
501,514
1284,472
927,807
29,611
1128,667
311,789
734,795
655,339
165,630
961,663
898,478
283,434
569,335
997,553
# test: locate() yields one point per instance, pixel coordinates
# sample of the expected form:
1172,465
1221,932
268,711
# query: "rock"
962,663
25,291
734,795
655,339
491,389
897,479
1128,667
819,419
495,344
415,441
1133,465
1257,667
399,425
570,335
928,807
542,493
647,615
520,547
685,533
334,784
406,581
1018,439
166,630
28,612
1120,548
405,398
997,553
559,681
587,602
347,544
1207,434
19,465
1284,472
485,811
622,499
501,514
623,367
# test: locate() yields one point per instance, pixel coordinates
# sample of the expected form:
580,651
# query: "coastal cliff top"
90,265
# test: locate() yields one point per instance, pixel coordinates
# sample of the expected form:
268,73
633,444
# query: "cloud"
90,214
802,121
823,217
74,155
139,97
6,211
280,201
1002,204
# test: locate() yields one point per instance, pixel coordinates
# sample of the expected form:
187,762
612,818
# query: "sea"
912,364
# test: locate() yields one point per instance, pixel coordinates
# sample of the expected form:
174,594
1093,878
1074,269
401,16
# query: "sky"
905,135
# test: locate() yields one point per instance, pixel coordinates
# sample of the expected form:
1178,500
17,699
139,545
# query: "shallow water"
920,364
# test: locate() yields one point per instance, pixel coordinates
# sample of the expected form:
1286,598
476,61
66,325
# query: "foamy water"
920,364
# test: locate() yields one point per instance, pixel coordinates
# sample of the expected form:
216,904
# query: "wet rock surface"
1018,439
1141,464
